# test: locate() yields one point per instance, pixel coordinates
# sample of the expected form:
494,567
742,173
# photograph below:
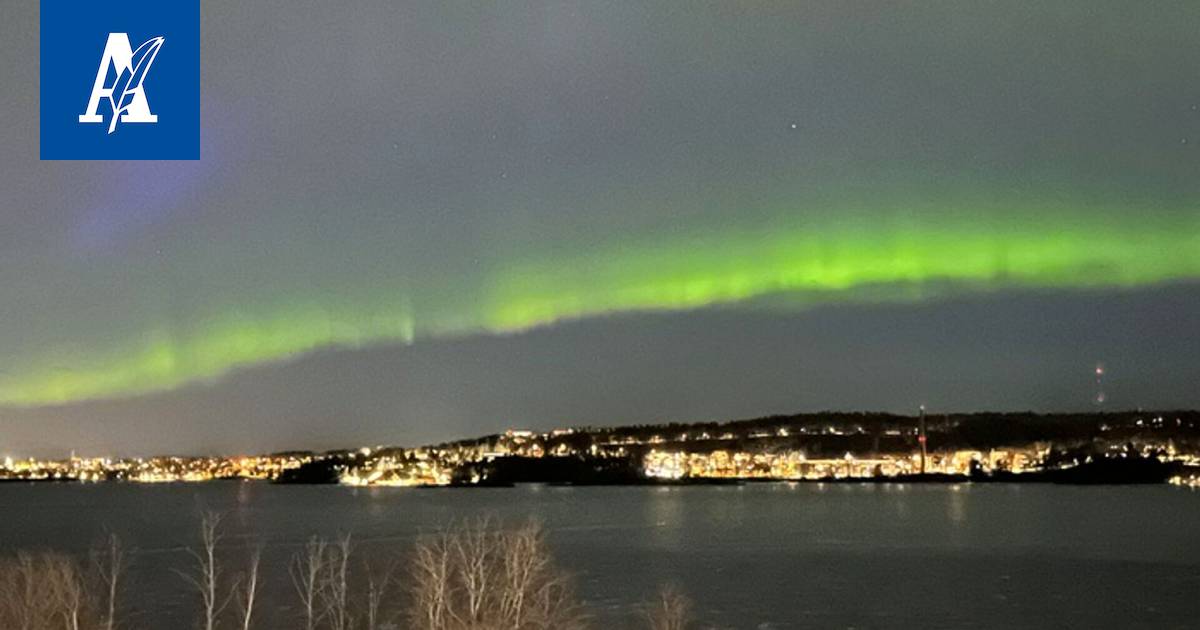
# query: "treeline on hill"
474,575
982,430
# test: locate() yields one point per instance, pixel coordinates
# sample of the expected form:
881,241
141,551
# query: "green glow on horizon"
822,262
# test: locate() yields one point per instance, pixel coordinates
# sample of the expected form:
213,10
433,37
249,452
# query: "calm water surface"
756,556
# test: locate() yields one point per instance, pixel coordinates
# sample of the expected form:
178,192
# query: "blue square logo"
120,81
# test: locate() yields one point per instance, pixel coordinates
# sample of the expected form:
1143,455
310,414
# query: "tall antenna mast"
922,439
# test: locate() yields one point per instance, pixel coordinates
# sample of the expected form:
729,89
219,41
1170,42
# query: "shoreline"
1103,473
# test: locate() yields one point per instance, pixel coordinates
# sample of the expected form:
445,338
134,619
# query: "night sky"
422,221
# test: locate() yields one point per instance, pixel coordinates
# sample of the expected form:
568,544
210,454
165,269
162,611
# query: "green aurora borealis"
979,249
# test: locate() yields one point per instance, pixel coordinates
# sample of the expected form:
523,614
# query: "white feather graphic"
130,81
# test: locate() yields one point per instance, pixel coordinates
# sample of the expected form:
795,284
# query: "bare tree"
379,582
476,576
25,597
432,574
247,589
110,560
29,596
535,592
207,575
70,593
522,566
335,585
474,545
671,610
306,570
43,591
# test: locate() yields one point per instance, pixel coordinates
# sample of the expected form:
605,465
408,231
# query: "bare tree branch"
207,574
671,610
247,589
335,585
110,560
305,571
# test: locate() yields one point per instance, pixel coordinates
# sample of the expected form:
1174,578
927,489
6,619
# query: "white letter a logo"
125,96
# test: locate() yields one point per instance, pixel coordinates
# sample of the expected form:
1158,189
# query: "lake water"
755,556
